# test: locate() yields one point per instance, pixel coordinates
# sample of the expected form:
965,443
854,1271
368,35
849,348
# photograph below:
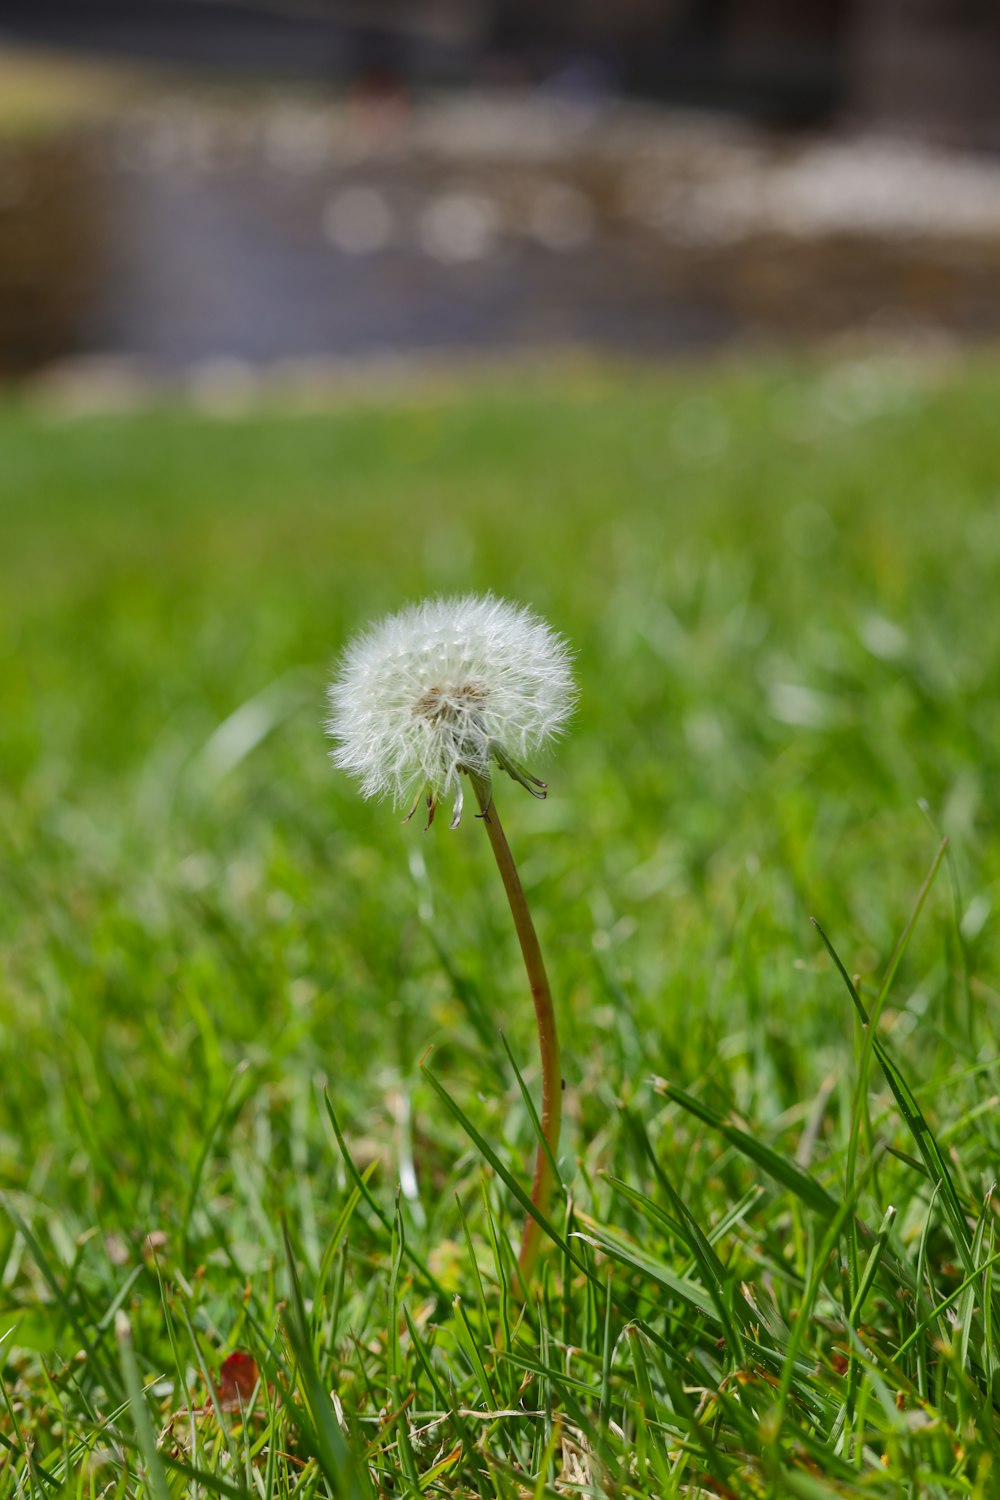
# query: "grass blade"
139,1411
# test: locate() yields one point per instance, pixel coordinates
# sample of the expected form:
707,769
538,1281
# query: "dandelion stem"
548,1039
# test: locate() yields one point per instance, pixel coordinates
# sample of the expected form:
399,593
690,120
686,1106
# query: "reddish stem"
548,1040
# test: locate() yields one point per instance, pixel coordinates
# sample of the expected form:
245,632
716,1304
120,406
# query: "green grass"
773,1269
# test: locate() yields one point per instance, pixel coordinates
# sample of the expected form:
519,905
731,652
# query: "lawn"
261,1131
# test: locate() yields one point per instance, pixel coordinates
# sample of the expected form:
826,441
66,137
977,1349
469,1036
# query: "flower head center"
449,705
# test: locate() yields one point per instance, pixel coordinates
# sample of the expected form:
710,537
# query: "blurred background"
210,189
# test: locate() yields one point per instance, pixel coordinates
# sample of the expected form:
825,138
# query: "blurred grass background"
781,584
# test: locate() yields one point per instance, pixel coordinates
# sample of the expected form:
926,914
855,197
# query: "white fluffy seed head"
446,686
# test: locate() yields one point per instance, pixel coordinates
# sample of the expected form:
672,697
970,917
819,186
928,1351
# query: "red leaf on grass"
237,1381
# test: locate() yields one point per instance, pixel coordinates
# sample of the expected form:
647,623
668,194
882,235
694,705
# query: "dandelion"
434,697
446,688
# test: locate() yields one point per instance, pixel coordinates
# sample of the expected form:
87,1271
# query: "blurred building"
929,65
400,203
773,58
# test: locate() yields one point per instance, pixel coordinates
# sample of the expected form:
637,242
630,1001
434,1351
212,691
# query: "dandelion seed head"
444,687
